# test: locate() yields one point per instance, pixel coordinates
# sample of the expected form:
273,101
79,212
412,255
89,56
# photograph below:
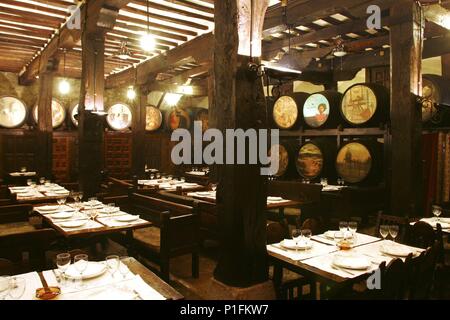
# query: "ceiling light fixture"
147,40
124,52
64,85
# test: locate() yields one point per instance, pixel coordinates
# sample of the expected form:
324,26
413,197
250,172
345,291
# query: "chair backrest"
393,280
276,231
177,198
314,224
421,272
421,235
118,186
402,222
151,208
179,234
15,213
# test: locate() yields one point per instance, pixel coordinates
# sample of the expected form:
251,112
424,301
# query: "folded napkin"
113,222
197,173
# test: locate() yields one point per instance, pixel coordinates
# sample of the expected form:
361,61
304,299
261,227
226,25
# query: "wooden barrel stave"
314,159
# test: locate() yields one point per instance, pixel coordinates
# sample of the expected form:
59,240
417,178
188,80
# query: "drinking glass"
213,187
81,263
393,231
29,182
306,235
343,227
16,287
80,194
296,236
152,176
33,184
183,179
112,264
110,207
42,180
23,169
353,226
437,212
60,202
338,237
4,287
123,269
63,262
384,231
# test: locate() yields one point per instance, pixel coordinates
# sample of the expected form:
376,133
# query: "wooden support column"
241,199
91,126
138,127
45,125
445,62
406,62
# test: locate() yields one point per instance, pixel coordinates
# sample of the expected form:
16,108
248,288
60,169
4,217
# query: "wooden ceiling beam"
41,33
40,7
68,38
33,15
133,36
437,14
304,12
157,25
134,41
180,22
198,50
163,7
192,5
197,91
156,33
28,20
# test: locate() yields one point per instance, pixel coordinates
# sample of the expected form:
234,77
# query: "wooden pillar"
406,34
91,126
139,120
45,125
241,199
445,62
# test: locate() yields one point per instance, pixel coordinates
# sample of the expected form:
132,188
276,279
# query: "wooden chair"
6,267
15,213
175,232
393,281
402,222
422,235
421,272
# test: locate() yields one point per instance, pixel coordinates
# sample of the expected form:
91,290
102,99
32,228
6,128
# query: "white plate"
94,269
61,192
48,208
351,261
73,223
62,215
330,234
127,218
290,244
395,250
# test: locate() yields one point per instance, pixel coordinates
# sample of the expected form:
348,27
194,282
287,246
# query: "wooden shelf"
335,132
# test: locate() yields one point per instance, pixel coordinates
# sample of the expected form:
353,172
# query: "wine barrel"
321,110
359,161
365,105
153,118
119,116
202,115
435,99
287,110
13,112
58,113
74,115
177,118
315,158
286,150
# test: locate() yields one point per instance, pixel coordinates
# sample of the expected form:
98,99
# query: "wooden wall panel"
64,157
18,149
118,154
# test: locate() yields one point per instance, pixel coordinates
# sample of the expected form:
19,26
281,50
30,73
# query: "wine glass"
338,237
213,187
63,262
437,212
353,226
182,179
123,269
80,194
152,176
29,182
23,169
42,180
16,287
110,207
384,231
296,236
4,287
81,263
112,264
343,227
306,235
393,231
61,202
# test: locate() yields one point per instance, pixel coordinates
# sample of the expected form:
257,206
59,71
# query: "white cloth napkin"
197,173
89,225
113,222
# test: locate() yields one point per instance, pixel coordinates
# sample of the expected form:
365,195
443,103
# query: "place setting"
300,247
346,237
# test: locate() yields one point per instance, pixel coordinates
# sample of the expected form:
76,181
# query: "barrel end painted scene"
228,154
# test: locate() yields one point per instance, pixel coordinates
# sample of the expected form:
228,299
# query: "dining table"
323,261
131,281
272,202
170,184
434,221
38,193
89,218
